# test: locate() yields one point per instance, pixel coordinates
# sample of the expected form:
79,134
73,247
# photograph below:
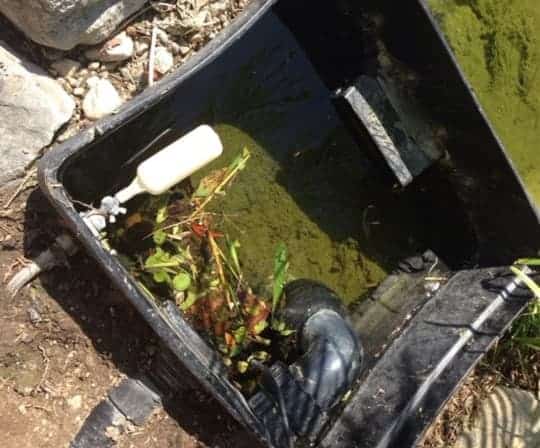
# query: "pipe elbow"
332,354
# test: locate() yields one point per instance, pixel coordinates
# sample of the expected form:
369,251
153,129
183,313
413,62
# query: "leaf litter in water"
189,260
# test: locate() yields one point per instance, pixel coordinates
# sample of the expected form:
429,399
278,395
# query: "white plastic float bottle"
155,176
174,163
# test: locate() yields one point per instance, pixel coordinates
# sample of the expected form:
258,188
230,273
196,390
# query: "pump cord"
273,389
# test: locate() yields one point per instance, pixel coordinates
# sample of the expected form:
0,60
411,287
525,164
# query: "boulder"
63,24
32,108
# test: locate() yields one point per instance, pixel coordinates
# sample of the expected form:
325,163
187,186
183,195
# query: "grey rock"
63,24
66,67
34,316
32,108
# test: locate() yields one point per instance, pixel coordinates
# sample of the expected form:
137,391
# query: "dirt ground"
68,338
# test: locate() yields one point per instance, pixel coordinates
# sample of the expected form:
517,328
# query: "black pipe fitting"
297,402
332,353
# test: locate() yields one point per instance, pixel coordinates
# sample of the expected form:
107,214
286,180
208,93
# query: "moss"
497,43
314,203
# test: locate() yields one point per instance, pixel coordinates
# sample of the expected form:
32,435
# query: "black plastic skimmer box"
385,74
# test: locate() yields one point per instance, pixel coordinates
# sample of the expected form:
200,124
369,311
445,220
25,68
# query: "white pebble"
73,82
184,50
79,91
75,402
101,99
119,48
140,47
163,60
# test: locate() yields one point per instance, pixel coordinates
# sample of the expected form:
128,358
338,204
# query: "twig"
46,370
435,279
19,188
152,56
219,266
37,406
223,183
433,266
237,275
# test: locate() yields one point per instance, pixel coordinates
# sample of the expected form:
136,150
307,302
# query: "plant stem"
215,253
239,166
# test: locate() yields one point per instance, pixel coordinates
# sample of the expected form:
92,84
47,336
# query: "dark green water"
497,43
339,227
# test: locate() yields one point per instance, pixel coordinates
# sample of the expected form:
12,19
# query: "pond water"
340,225
497,43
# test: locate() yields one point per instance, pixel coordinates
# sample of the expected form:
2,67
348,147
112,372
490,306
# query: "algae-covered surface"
497,43
320,203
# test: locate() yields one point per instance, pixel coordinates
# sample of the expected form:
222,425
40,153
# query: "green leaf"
235,351
533,343
159,237
160,203
239,163
260,356
240,335
181,281
233,253
281,266
189,302
528,261
203,191
162,215
281,328
159,258
278,325
260,327
162,260
242,366
161,276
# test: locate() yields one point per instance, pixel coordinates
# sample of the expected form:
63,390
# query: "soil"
68,338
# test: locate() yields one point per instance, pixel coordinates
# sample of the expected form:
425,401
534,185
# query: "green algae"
312,204
497,43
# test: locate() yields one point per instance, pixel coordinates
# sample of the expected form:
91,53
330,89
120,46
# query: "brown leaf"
229,340
258,314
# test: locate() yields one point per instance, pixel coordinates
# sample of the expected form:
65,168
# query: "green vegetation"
497,43
313,201
526,330
186,258
223,244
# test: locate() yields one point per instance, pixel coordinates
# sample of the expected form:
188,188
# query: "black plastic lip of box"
185,343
